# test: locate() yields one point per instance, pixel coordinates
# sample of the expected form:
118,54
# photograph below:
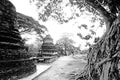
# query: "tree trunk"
103,57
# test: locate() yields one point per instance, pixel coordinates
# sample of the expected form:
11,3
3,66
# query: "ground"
63,69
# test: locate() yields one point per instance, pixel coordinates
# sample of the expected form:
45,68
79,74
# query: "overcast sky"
55,29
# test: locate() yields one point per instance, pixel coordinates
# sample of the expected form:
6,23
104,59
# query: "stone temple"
15,61
48,50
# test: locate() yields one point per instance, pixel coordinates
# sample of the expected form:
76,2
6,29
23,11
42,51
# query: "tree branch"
106,60
108,17
102,62
95,4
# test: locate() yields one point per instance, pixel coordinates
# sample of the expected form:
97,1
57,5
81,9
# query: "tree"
26,24
29,28
57,9
34,48
104,56
65,46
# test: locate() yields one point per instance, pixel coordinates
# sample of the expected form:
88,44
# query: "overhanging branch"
95,4
108,17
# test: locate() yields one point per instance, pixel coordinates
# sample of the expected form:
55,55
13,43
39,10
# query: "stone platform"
41,68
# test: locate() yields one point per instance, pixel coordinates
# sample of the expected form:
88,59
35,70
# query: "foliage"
87,37
65,45
97,39
58,9
30,27
34,49
27,24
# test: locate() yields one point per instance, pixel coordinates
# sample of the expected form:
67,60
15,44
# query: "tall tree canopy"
26,24
57,9
31,31
65,11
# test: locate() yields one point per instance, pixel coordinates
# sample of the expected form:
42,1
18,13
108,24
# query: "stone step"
8,45
9,39
11,34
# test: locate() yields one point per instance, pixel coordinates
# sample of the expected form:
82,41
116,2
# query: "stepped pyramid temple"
48,49
15,61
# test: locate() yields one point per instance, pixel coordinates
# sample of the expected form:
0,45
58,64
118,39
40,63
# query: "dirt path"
63,69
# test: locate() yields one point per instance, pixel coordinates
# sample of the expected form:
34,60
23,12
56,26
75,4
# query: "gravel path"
63,69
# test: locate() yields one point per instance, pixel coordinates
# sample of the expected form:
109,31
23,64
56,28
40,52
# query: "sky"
56,30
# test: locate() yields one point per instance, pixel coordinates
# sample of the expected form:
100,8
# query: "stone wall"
14,58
